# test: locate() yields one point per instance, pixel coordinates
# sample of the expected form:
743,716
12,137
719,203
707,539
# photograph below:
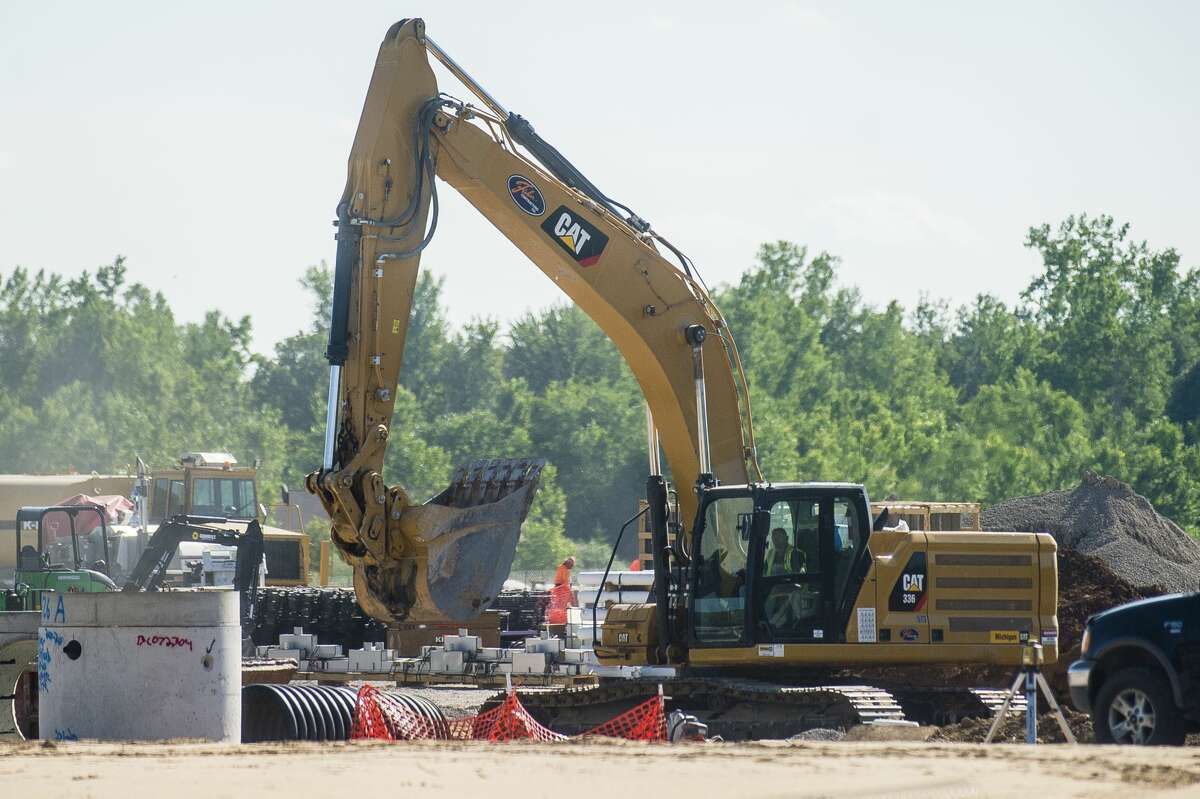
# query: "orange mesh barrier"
386,717
560,600
644,722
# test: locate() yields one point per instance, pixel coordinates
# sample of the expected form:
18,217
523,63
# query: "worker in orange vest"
562,576
636,565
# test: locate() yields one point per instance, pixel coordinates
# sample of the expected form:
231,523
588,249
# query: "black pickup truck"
1139,671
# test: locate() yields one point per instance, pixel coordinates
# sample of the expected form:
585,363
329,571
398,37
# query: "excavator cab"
776,563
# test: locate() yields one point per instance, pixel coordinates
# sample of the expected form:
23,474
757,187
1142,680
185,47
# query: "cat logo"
908,592
581,240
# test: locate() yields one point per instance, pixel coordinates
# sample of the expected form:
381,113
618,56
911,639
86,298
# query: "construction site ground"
847,769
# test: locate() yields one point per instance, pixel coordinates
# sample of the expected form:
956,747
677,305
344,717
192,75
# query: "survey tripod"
1031,676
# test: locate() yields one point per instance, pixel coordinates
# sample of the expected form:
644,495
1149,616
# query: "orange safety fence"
387,717
560,600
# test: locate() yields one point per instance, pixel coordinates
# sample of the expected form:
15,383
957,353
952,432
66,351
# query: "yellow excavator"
757,583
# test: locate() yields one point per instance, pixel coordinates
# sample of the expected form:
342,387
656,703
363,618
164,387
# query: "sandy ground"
606,769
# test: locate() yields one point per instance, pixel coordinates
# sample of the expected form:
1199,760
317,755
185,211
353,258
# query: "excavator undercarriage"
744,709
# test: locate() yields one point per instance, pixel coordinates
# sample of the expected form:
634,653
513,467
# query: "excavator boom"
444,559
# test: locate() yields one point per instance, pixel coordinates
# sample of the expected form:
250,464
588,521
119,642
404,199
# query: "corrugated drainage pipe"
315,712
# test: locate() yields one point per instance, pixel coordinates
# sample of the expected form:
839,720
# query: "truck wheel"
1135,706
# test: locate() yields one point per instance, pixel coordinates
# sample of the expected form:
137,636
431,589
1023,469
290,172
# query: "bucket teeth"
484,481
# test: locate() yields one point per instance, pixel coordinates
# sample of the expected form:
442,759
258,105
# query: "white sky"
207,142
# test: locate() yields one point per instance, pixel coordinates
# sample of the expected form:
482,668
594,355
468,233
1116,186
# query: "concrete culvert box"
140,667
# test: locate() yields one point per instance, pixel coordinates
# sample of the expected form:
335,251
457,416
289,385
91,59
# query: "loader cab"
214,484
208,484
777,563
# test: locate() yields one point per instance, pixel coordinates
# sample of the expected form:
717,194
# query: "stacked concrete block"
549,646
308,654
446,661
529,663
298,639
464,654
372,658
578,656
281,653
462,643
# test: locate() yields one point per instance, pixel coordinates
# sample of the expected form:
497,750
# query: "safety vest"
779,561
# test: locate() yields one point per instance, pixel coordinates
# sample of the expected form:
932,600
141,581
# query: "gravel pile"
819,734
1105,518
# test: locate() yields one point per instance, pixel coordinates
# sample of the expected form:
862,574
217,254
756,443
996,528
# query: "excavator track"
950,705
734,709
739,710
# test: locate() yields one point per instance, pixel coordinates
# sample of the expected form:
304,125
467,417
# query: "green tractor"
62,548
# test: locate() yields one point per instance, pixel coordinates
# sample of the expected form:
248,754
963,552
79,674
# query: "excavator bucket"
465,538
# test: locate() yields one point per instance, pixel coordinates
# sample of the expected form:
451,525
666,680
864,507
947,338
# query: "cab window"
789,591
223,496
58,548
719,611
847,536
168,499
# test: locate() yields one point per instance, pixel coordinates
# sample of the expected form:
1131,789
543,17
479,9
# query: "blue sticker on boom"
526,195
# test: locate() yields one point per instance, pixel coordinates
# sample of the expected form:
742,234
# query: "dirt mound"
1086,585
1013,729
1105,518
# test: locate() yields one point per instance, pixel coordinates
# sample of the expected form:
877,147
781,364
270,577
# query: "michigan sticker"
1006,637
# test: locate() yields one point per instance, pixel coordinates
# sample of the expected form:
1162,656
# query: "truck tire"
1135,706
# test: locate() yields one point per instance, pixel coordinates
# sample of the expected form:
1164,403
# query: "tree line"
1095,366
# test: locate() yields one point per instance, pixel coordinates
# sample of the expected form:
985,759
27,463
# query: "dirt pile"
1086,585
1013,729
1107,519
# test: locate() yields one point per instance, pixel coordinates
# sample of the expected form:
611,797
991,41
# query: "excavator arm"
444,558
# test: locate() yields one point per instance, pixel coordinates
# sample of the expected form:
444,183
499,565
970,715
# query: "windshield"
57,549
223,496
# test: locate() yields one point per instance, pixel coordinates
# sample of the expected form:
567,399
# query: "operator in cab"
782,557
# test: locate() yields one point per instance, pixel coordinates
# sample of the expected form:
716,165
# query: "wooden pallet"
470,680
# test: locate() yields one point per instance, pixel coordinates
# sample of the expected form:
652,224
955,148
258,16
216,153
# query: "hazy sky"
918,141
